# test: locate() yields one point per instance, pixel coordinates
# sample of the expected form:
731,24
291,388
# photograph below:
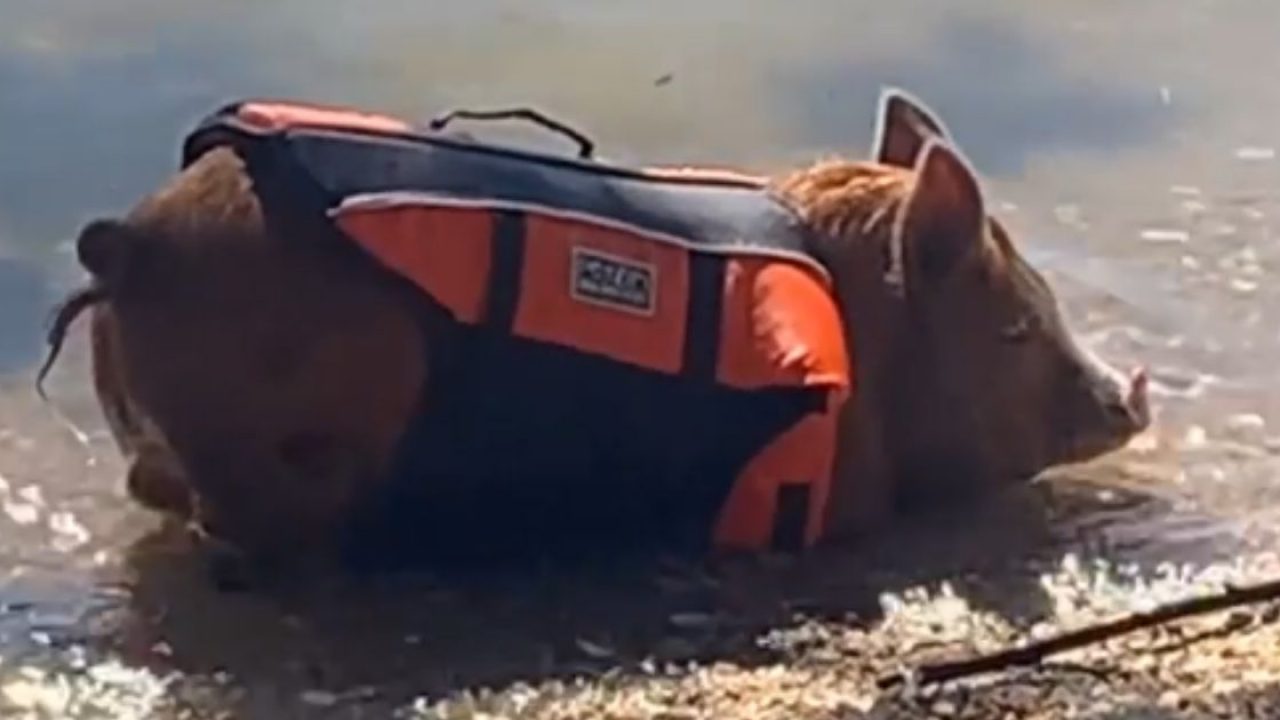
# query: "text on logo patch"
609,280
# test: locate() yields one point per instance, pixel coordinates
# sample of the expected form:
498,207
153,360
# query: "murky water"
1134,150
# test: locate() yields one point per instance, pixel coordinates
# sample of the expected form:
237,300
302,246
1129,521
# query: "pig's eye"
1019,330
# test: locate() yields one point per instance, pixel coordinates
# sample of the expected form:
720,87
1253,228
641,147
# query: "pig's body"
259,385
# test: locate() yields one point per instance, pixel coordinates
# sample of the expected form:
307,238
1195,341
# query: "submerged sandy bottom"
1221,665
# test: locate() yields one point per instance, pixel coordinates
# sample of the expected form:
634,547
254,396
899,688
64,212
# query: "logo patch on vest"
620,283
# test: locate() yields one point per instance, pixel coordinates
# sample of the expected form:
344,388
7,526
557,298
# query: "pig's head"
981,381
997,386
279,371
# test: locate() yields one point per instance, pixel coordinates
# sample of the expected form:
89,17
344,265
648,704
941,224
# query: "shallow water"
1134,151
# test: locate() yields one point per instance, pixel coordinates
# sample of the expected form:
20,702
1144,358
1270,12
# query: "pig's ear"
903,126
107,248
940,226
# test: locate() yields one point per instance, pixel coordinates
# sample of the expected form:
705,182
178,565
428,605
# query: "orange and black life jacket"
625,328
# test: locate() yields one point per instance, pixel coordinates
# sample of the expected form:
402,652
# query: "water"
1130,148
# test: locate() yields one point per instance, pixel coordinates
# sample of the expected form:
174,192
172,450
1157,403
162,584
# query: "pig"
229,331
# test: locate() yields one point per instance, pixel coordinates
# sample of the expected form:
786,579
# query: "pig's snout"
1125,405
1117,409
1136,399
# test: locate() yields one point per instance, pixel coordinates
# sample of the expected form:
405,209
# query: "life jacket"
664,324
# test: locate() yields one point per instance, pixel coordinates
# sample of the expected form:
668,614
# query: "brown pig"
226,351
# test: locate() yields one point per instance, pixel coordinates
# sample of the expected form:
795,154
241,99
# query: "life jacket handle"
586,148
